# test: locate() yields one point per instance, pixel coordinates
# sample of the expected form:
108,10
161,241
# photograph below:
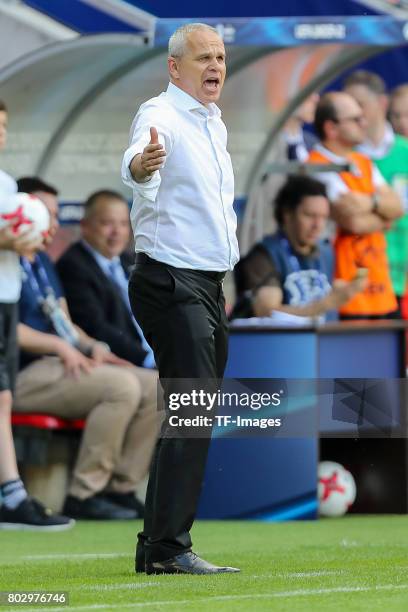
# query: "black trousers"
182,315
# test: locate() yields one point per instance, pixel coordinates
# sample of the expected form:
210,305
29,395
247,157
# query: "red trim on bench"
46,421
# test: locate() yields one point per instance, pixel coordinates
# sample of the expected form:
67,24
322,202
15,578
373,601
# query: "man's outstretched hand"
144,164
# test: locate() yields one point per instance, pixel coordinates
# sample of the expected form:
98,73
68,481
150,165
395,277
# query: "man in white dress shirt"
185,240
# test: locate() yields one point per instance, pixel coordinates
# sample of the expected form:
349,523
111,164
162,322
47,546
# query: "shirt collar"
335,159
381,149
184,101
100,259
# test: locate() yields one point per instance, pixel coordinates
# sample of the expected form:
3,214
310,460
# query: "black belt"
142,258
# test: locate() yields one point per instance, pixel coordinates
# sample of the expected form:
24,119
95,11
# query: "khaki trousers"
122,422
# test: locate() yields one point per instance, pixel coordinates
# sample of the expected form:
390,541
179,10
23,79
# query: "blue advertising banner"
294,31
259,8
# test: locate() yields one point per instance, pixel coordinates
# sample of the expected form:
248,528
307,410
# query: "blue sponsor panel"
260,8
261,355
264,477
260,479
356,367
70,213
367,393
295,31
88,17
361,354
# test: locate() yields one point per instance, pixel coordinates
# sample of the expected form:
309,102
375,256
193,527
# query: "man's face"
3,129
372,105
107,228
399,114
200,72
306,224
350,125
51,202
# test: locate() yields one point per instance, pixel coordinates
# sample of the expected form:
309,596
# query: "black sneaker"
98,508
31,515
127,500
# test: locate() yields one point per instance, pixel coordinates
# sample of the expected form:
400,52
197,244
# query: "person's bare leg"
12,490
8,463
17,510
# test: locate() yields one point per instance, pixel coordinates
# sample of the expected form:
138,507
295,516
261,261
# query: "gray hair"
178,40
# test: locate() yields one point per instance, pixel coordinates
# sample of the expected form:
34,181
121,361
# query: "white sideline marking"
118,587
278,594
302,574
312,574
349,543
83,556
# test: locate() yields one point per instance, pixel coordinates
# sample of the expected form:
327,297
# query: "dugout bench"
46,448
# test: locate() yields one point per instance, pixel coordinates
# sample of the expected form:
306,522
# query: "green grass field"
355,563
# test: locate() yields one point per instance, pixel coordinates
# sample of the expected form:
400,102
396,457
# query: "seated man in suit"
66,372
292,269
94,274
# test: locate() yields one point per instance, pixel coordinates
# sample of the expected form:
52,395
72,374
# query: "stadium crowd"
340,249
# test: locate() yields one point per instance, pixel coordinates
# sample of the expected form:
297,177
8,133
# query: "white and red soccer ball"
25,212
336,489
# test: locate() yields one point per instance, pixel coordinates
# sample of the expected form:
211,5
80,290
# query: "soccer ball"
24,211
336,489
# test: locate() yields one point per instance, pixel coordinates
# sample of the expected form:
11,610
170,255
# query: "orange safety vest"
353,251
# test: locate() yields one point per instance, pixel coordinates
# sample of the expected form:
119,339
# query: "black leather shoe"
127,500
186,563
96,508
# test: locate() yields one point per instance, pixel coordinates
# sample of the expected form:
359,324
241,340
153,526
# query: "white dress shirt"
184,215
10,272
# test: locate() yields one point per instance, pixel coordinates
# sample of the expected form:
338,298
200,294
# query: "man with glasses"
363,206
389,152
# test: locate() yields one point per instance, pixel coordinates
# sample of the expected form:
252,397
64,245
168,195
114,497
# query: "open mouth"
212,83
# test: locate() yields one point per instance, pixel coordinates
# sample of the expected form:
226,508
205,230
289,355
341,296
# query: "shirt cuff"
148,189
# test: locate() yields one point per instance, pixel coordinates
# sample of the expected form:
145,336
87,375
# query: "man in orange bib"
363,206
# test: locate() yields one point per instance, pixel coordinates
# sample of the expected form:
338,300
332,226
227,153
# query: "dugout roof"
71,103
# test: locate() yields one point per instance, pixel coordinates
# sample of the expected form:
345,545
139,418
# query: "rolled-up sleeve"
147,117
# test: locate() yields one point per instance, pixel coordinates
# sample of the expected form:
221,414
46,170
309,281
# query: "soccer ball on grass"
336,489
